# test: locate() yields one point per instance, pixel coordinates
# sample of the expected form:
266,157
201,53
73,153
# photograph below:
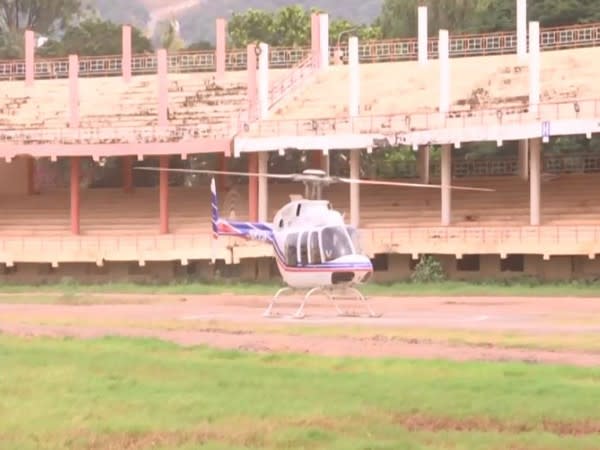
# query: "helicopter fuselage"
312,244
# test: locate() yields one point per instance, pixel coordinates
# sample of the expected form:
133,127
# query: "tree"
42,16
45,17
251,26
288,27
398,18
94,37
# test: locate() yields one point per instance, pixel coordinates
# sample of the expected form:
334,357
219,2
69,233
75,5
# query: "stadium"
251,109
101,364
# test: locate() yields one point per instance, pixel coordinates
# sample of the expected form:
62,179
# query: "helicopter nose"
358,269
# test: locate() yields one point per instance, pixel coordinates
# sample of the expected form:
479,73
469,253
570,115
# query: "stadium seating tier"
565,200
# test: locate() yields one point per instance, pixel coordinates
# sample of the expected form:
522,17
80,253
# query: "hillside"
197,17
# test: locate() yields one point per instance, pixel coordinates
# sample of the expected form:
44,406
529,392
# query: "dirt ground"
408,327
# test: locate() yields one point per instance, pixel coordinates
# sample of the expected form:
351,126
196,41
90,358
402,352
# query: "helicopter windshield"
336,243
355,238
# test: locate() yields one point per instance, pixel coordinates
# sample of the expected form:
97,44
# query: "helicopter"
315,250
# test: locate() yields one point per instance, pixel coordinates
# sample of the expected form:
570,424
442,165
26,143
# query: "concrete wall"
389,268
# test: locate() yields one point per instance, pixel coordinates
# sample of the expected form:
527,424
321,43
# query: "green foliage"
42,16
288,27
428,270
12,45
94,37
399,17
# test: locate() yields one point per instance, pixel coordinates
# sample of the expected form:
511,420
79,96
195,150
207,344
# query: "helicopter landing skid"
334,294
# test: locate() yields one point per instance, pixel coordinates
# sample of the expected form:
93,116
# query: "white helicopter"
315,250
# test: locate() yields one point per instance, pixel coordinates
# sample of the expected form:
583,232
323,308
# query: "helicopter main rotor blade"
221,172
398,183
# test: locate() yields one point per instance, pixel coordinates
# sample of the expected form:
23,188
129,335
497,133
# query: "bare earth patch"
246,329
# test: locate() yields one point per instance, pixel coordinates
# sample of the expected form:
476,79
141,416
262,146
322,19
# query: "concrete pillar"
315,40
355,188
444,56
423,163
326,162
446,175
534,66
522,30
423,35
263,187
263,81
535,151
253,187
354,77
523,159
164,194
126,53
323,41
163,87
220,51
252,82
127,174
73,91
29,57
75,227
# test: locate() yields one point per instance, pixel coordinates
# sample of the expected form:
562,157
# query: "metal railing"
499,166
299,74
575,36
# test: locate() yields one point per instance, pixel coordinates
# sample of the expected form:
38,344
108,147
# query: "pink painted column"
253,187
221,48
128,174
315,39
75,229
251,68
163,86
29,57
164,195
126,53
73,91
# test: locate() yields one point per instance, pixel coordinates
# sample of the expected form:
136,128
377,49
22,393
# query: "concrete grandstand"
249,108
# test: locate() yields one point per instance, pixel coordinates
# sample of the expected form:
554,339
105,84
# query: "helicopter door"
315,250
291,249
303,248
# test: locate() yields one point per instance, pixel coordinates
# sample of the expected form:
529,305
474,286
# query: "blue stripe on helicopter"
246,229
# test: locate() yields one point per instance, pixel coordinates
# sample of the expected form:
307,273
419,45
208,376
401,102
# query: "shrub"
428,270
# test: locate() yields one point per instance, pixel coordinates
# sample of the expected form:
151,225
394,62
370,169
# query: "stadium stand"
212,105
479,82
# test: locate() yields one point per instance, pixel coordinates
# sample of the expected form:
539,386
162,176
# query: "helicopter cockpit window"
291,249
315,250
355,238
336,243
304,248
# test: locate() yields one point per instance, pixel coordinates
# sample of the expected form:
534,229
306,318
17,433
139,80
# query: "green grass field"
522,287
117,393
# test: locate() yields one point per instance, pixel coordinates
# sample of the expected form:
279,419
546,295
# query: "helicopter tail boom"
222,227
